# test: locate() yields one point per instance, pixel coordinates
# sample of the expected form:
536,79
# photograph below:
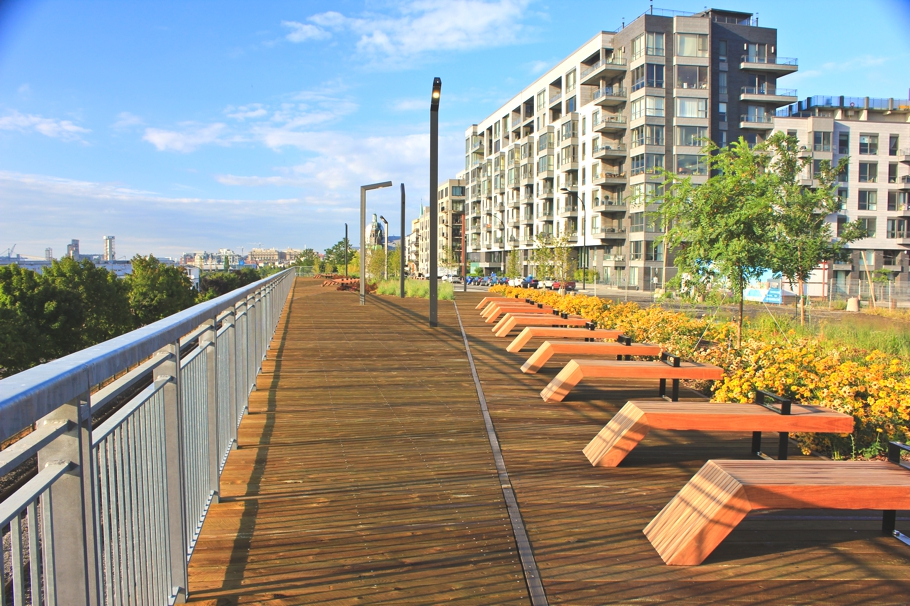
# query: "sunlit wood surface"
364,475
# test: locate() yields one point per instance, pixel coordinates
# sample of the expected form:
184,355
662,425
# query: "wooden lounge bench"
662,369
495,310
486,300
633,422
719,496
511,321
549,332
622,349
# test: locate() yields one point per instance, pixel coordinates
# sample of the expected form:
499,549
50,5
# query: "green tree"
513,264
724,226
802,236
39,320
308,258
334,256
158,290
104,297
542,255
563,263
394,263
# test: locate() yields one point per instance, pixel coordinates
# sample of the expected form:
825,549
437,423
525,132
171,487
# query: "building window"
655,75
570,81
654,106
868,199
722,112
691,135
723,139
844,175
897,228
458,190
637,222
654,251
635,248
868,172
691,108
722,50
722,83
867,224
570,104
647,135
822,142
638,78
584,124
655,44
843,143
893,144
898,201
637,108
842,195
691,76
892,172
891,257
647,163
868,145
545,163
541,101
757,53
692,45
638,47
690,164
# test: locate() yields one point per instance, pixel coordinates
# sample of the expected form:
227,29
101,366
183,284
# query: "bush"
419,289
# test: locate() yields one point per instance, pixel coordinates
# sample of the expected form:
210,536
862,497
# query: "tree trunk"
739,327
802,305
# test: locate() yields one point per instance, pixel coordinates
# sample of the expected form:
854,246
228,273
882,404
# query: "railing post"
232,376
169,373
211,376
72,520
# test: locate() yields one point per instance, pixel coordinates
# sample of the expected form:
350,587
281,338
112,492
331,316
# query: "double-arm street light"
385,231
584,243
434,185
363,228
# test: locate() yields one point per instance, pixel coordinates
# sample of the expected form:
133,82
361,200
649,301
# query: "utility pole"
434,209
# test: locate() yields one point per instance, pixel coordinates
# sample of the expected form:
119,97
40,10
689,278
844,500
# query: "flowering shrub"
870,385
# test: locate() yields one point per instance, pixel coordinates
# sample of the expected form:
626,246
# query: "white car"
547,284
515,282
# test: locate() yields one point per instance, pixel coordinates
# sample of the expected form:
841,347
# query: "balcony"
513,203
610,123
554,98
527,219
604,67
905,182
546,192
610,205
513,222
610,95
756,122
900,236
904,156
610,179
527,241
568,210
768,94
615,150
609,233
780,66
546,215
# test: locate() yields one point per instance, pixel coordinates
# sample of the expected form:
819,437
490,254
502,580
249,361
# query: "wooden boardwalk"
364,475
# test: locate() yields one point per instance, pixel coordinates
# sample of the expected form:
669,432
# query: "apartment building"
450,202
577,152
875,188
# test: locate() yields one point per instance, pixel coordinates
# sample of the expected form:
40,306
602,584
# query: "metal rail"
114,512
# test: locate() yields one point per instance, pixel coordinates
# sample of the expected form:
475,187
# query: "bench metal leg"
663,387
756,442
783,446
889,518
675,397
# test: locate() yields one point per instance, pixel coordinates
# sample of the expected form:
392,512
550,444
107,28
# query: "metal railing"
114,511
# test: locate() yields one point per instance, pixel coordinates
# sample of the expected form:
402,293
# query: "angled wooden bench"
487,300
549,332
495,310
719,496
669,367
633,422
623,349
511,321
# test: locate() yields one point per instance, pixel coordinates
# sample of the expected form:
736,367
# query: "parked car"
517,282
485,281
529,282
569,285
546,284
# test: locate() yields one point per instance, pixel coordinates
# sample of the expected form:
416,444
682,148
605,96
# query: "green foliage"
309,258
215,284
542,256
419,289
591,275
103,296
334,257
513,264
158,290
563,263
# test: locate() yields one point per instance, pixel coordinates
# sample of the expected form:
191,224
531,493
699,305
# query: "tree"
308,258
215,284
334,256
104,298
158,290
542,255
40,320
802,236
513,264
563,263
394,263
724,226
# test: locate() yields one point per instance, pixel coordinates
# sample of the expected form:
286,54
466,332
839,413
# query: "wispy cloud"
535,68
421,27
126,121
244,112
186,140
64,130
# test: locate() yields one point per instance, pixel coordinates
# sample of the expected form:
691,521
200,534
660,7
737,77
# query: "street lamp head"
437,92
381,218
376,185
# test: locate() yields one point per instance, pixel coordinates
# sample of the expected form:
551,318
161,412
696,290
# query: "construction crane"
9,252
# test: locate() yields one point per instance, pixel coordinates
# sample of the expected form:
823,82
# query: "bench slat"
530,332
550,348
511,321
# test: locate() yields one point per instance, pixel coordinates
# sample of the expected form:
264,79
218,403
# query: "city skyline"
180,130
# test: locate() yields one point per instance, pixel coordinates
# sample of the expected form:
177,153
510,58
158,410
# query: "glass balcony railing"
757,118
602,63
609,91
771,91
769,60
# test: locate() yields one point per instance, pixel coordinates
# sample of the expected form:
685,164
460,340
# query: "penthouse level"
576,152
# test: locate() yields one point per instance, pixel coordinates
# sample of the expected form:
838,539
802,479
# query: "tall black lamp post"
434,185
402,247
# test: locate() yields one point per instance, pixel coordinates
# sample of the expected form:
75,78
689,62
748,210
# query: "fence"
114,511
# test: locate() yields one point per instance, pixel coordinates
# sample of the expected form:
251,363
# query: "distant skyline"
200,125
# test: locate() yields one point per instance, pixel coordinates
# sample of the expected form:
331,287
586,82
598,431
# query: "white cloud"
243,112
126,120
422,26
535,68
301,32
49,127
408,105
192,137
24,89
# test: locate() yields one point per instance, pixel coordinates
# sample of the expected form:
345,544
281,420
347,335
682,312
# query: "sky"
188,126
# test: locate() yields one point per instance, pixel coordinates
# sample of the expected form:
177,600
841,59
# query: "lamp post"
363,228
464,255
584,242
386,232
345,250
434,185
402,247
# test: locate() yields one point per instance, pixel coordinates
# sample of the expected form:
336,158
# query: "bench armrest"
785,403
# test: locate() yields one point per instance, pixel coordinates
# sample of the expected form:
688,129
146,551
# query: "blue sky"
181,126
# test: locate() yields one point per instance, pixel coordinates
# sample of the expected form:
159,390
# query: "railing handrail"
32,394
769,60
